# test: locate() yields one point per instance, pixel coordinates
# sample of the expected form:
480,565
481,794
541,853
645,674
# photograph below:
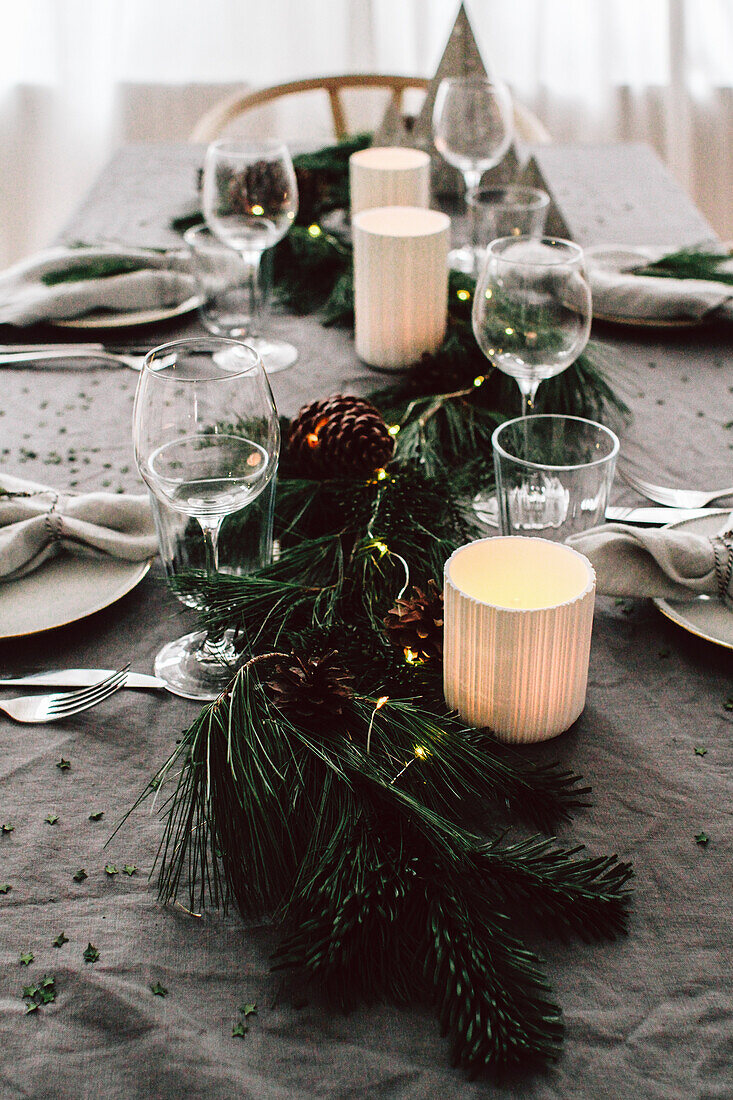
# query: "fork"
674,498
67,351
63,704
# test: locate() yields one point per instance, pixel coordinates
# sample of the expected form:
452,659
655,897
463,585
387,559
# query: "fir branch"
691,263
102,267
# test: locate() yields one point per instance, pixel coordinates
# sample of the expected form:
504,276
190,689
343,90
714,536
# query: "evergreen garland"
374,830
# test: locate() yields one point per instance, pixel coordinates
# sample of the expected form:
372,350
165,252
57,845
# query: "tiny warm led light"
421,752
381,475
254,459
382,548
312,439
463,295
488,293
258,210
381,701
479,380
315,230
509,330
393,429
411,656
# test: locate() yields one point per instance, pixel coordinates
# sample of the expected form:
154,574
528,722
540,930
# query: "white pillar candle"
389,177
518,618
400,284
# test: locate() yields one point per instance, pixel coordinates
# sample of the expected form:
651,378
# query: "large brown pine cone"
312,690
415,623
341,436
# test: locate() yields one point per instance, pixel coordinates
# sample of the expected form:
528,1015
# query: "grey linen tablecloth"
649,1016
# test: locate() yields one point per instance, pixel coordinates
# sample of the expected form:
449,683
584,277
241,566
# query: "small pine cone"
312,690
341,436
415,623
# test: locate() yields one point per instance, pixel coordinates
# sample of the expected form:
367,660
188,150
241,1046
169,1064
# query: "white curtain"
80,77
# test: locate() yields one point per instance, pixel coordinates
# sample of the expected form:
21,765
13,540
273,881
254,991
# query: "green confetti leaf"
5,888
130,869
30,990
8,828
728,704
699,751
239,1031
701,838
63,765
110,869
91,954
159,990
80,875
27,958
52,819
248,1010
60,940
97,815
32,1007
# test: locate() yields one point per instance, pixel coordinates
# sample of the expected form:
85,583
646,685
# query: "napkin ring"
723,554
55,524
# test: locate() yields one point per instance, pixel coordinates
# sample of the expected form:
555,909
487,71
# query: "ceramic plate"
123,320
63,590
650,322
707,616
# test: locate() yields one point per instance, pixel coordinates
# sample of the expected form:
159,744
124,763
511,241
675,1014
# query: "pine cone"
415,623
341,436
260,183
312,690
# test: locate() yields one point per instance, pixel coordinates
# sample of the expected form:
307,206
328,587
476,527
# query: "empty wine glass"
250,199
472,129
207,441
532,309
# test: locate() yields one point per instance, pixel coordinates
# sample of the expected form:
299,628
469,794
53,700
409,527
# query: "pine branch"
691,263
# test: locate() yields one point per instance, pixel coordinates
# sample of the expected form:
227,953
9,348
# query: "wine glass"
250,199
473,125
532,309
207,439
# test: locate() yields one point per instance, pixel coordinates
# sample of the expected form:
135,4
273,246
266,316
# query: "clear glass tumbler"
553,474
512,211
225,284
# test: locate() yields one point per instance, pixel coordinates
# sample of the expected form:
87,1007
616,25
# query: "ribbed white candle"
518,618
389,177
400,284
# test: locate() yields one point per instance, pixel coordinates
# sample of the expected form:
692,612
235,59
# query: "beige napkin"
36,523
618,293
674,564
25,299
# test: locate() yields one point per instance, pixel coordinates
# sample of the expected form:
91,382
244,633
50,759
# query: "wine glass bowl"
206,439
532,309
250,201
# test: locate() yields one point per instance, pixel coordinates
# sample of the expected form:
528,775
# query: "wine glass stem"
253,264
529,392
472,179
210,528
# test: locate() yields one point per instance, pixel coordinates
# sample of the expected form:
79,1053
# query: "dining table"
151,1010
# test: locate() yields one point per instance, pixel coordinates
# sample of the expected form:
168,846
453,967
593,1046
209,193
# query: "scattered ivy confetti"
43,993
61,939
80,875
5,888
8,828
32,1006
699,751
130,869
239,1030
728,704
91,954
52,819
63,765
248,1010
27,958
701,838
97,815
110,869
159,990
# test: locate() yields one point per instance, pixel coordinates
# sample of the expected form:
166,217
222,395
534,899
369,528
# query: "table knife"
79,677
655,517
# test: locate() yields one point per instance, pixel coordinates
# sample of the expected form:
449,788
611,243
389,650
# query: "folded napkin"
671,563
68,282
37,523
617,292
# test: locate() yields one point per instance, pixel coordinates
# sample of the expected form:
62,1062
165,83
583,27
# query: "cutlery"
654,517
63,704
70,351
79,677
674,498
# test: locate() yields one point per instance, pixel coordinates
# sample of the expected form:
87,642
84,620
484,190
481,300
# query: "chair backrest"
210,126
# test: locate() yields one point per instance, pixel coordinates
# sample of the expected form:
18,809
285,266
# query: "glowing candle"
389,177
400,284
518,618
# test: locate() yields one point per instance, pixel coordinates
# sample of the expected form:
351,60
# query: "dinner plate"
651,322
706,616
115,319
64,590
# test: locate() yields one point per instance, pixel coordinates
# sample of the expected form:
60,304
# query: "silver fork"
18,356
63,704
674,498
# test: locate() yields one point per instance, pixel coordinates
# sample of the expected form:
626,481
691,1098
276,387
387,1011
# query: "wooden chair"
210,126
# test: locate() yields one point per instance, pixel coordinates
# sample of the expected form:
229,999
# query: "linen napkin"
617,292
674,564
39,288
37,523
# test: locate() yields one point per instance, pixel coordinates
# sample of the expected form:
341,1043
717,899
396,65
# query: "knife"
79,677
655,517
